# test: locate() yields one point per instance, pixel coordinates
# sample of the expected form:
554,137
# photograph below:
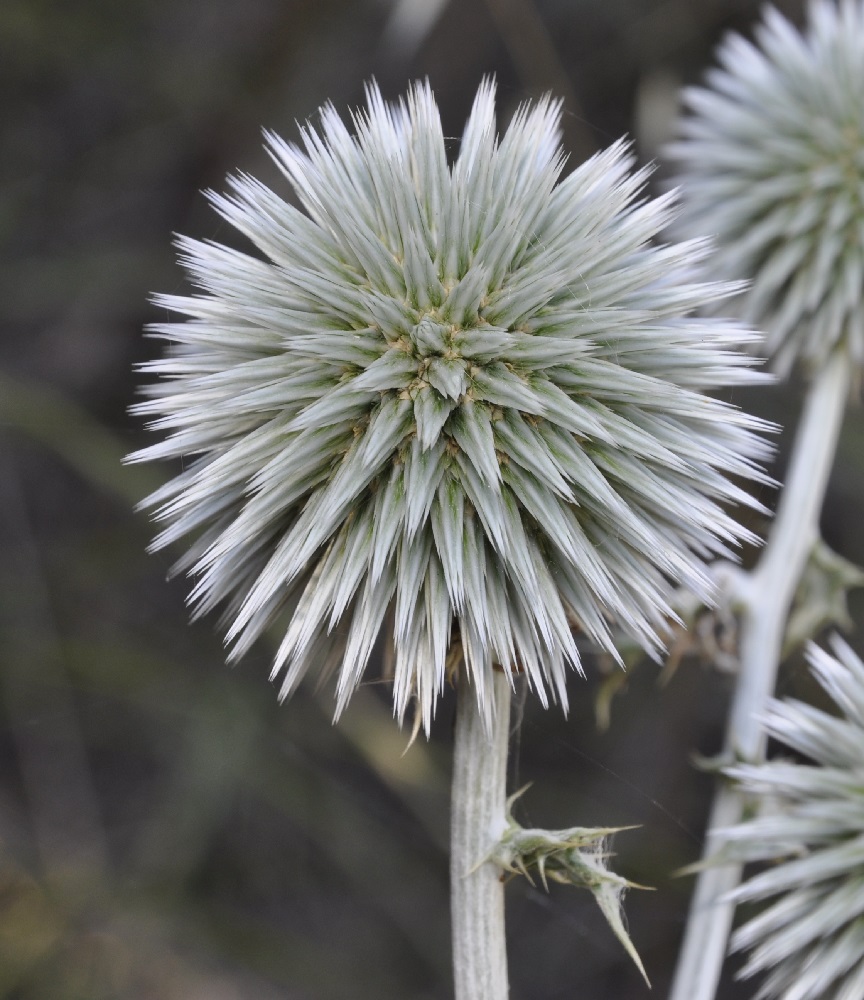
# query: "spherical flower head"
460,403
810,939
772,166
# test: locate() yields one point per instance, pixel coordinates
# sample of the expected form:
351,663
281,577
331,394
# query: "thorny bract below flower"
810,939
465,401
772,166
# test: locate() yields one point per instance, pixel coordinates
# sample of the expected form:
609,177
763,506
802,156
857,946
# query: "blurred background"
167,830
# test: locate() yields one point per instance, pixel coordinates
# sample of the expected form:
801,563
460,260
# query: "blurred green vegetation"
167,830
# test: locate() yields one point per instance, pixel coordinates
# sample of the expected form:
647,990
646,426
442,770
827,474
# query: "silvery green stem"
478,820
767,600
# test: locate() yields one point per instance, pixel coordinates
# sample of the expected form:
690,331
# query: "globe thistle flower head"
463,403
771,162
810,938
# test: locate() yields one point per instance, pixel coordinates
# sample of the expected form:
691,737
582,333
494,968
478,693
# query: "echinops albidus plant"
772,157
772,166
469,395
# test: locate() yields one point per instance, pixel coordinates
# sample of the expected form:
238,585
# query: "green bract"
772,166
810,939
464,403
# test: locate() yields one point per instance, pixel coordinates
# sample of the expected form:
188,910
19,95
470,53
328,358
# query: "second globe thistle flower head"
772,166
460,402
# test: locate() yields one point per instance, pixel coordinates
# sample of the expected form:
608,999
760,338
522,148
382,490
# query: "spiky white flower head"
810,939
772,167
464,403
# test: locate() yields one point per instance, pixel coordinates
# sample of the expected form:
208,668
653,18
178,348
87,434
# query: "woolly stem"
767,597
478,820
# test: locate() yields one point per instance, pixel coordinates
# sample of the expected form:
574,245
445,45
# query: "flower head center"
430,337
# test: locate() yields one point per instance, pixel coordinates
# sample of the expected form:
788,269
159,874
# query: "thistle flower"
463,402
772,166
810,939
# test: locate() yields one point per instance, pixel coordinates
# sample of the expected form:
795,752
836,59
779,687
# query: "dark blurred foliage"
167,830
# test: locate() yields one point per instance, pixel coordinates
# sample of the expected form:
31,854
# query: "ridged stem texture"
478,820
768,597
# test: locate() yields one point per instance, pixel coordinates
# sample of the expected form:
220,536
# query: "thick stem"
478,819
769,594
